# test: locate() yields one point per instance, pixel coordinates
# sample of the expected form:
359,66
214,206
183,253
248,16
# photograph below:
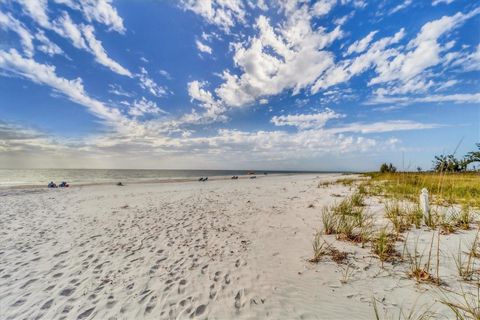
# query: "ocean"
41,177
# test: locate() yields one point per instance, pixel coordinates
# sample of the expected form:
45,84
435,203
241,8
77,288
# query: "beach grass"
444,188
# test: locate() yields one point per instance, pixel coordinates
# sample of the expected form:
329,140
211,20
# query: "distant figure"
235,177
120,184
265,173
206,178
201,179
52,185
253,177
64,184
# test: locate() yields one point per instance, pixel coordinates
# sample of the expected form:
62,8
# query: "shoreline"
169,180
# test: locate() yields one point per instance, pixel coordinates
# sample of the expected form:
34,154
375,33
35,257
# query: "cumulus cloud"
222,13
289,57
212,109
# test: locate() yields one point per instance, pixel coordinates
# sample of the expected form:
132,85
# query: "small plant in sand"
320,248
432,219
357,199
324,184
347,272
398,216
474,246
347,222
346,181
383,245
414,215
464,305
447,224
362,189
414,313
329,221
463,218
418,270
466,268
365,232
347,208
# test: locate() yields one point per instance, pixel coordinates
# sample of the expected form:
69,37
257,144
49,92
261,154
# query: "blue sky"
227,84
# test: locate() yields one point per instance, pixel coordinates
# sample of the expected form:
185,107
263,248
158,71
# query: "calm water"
22,177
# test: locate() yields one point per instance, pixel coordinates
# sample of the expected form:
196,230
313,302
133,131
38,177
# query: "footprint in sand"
199,310
67,292
85,313
240,299
181,286
151,304
217,276
47,304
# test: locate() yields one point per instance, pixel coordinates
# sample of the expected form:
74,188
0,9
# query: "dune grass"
445,188
348,221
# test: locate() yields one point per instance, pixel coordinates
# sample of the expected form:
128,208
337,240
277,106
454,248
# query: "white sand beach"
222,249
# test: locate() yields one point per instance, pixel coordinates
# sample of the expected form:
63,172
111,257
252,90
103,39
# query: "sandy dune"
217,250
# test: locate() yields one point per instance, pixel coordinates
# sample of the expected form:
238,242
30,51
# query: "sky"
237,84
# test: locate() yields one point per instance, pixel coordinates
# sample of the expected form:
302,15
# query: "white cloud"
102,11
213,109
424,50
384,126
101,55
119,91
37,10
343,71
46,45
165,73
455,98
15,64
437,2
82,36
148,84
468,61
360,46
65,27
144,107
222,13
7,22
401,6
307,121
203,47
288,57
400,69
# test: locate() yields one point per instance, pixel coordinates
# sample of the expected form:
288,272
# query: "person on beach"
52,185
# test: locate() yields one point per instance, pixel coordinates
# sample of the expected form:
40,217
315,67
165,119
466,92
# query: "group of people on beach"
52,184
